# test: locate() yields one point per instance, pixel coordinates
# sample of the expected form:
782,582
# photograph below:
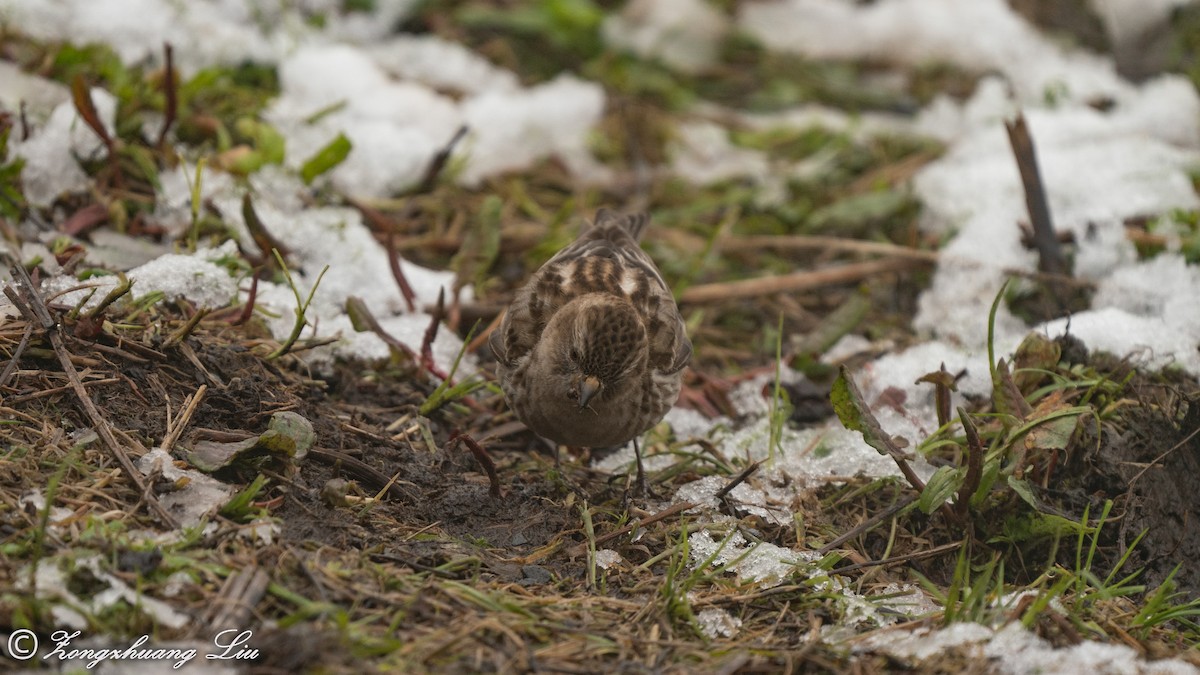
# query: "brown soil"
1149,465
439,522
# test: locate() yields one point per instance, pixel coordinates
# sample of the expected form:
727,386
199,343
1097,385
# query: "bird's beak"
588,387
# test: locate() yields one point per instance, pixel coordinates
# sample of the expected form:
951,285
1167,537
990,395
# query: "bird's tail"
633,223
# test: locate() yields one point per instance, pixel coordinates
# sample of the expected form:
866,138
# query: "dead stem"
908,557
234,605
484,460
737,480
868,524
406,289
36,311
185,418
1050,255
796,281
641,522
171,91
16,355
186,329
822,243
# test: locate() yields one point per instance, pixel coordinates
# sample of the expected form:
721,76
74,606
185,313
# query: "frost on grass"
195,278
803,458
39,95
762,563
687,423
982,35
907,408
703,154
512,130
606,558
441,64
767,565
1013,650
384,93
51,168
1098,169
1148,309
813,456
684,34
51,584
397,126
749,498
808,459
717,623
35,500
316,237
203,33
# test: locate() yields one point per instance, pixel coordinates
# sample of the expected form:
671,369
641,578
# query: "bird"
592,349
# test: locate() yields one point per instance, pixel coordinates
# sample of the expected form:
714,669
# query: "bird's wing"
529,312
605,257
614,237
670,348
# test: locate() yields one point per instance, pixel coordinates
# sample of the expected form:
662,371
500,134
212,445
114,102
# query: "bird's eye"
574,354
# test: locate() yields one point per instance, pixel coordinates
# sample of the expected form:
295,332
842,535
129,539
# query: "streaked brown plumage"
591,352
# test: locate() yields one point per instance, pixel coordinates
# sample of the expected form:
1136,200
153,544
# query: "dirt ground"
390,564
1149,465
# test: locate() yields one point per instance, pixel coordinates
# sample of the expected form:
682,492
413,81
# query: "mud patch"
1149,465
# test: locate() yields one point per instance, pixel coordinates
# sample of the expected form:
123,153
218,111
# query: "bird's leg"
642,488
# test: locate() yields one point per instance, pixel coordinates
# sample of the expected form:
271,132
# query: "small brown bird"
592,349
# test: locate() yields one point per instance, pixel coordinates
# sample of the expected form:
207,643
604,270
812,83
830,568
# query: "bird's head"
597,343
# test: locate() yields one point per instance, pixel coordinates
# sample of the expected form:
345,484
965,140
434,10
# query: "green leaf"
991,341
1036,355
268,142
1072,414
941,486
144,159
855,415
991,471
859,214
288,435
1053,434
481,245
238,508
1005,394
1023,489
326,158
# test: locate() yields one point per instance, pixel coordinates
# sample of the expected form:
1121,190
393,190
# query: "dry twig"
868,524
185,417
171,90
908,557
822,243
234,605
16,355
737,480
35,310
1050,255
797,281
484,459
641,522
